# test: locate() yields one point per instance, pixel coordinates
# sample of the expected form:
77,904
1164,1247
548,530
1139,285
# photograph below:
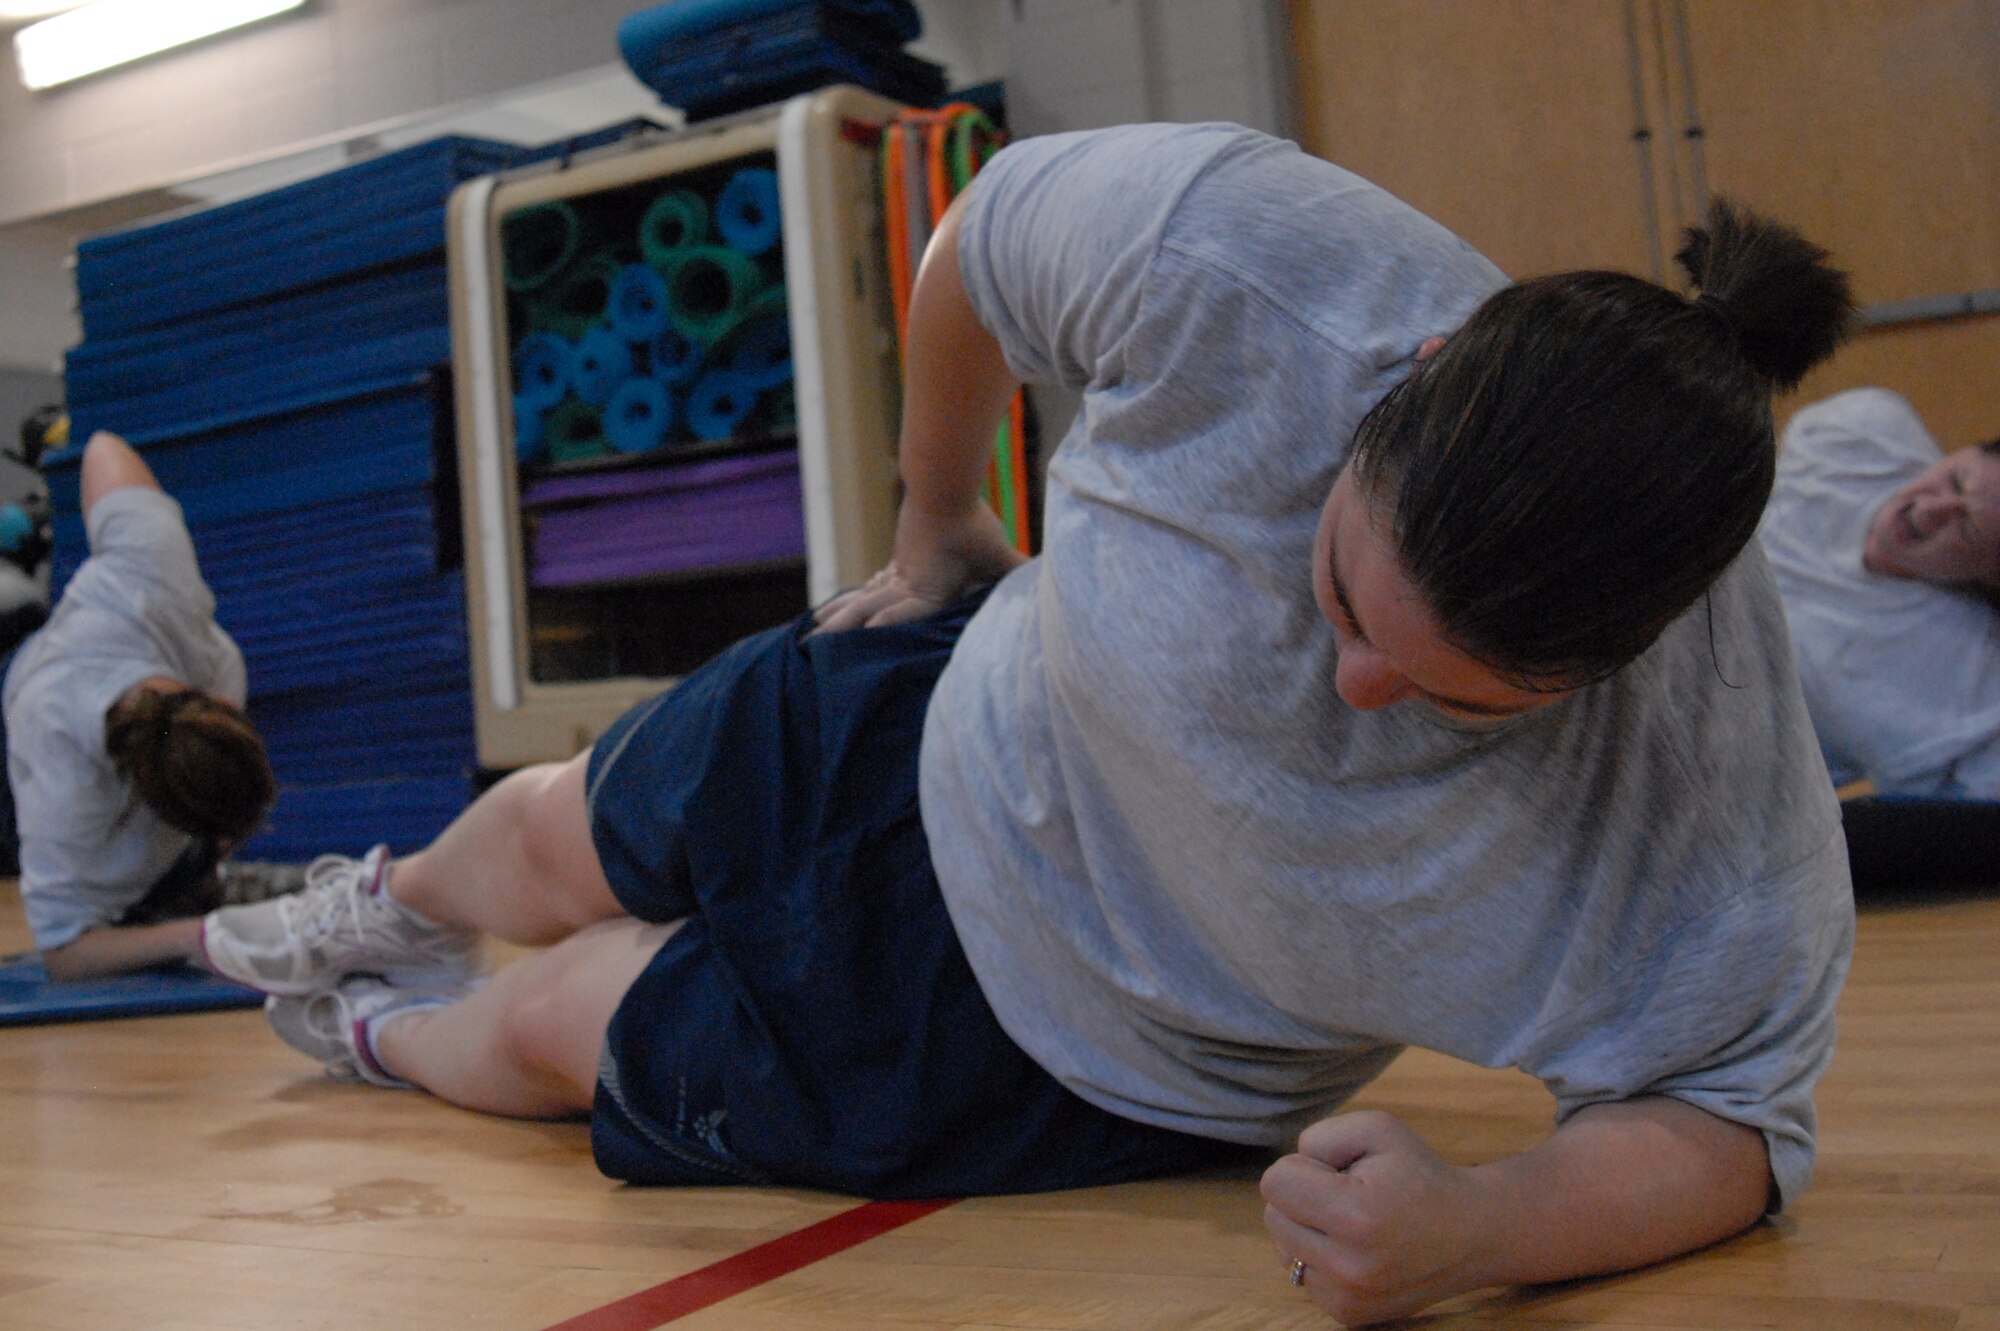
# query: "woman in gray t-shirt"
1393,673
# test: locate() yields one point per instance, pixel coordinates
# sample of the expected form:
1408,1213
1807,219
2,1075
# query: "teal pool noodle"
781,406
537,243
672,224
708,288
573,302
747,216
574,432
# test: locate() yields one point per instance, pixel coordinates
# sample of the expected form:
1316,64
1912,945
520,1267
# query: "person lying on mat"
131,766
1887,555
1394,673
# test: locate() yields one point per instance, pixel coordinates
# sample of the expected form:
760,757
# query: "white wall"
72,156
36,322
1083,64
1080,64
335,66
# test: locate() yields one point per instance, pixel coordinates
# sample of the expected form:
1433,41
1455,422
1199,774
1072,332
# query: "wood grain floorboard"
189,1172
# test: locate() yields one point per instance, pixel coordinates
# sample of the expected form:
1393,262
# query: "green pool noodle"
674,223
574,432
537,243
570,305
708,290
779,407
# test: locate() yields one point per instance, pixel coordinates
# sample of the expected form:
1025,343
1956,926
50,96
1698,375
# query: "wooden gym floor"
191,1174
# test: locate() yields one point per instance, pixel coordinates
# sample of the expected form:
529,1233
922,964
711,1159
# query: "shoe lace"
333,896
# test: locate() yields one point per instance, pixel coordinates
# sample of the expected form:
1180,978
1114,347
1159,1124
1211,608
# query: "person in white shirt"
1887,556
131,765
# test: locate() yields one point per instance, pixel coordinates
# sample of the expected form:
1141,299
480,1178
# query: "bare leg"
519,863
527,1044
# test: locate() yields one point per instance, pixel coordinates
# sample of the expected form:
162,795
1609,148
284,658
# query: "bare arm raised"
109,463
956,384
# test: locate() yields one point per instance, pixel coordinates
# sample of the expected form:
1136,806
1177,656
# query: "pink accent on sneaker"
379,885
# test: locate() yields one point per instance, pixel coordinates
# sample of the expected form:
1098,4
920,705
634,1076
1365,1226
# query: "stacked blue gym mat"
282,363
711,57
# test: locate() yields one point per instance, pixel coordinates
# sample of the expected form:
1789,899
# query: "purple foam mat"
615,526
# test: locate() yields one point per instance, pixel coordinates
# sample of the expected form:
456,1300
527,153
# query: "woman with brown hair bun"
131,765
1393,673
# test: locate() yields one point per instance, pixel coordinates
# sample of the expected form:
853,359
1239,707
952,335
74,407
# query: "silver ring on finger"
1297,1275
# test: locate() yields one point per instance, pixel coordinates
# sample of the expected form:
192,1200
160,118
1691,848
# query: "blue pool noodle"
719,403
747,214
638,309
676,357
761,352
602,361
541,368
15,527
637,417
527,428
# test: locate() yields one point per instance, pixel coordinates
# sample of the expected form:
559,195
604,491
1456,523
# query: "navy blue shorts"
815,1023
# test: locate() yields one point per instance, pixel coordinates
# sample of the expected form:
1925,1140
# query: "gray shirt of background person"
1195,885
137,608
1901,677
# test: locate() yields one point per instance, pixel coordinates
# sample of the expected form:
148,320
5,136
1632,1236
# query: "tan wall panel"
1871,125
1510,121
1947,371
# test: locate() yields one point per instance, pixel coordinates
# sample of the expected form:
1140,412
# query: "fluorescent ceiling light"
112,32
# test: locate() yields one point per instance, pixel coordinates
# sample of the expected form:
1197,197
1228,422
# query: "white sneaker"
340,924
336,1025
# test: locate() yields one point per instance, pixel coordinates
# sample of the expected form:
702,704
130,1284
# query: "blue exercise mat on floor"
28,996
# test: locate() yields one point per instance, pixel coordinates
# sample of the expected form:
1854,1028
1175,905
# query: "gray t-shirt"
136,608
1195,885
1902,678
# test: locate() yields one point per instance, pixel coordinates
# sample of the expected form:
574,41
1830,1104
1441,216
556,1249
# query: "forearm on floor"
1619,1186
110,949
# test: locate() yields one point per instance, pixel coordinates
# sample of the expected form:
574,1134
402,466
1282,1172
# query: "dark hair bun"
1788,306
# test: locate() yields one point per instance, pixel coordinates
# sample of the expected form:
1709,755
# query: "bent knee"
553,1043
561,1001
557,845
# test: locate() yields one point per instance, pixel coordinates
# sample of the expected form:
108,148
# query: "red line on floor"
717,1281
